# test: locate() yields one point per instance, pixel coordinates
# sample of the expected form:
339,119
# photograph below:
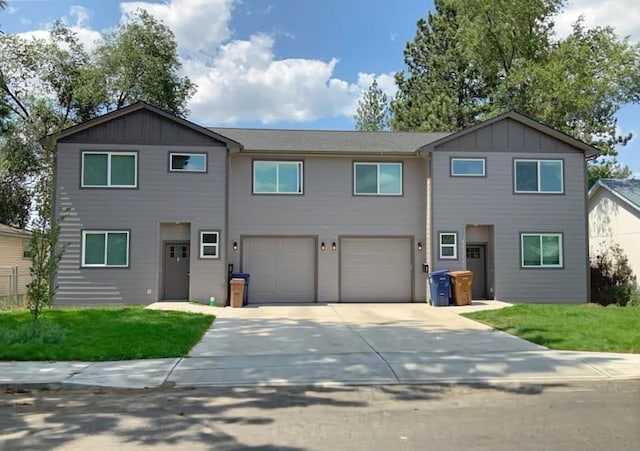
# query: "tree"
47,85
373,110
506,51
439,90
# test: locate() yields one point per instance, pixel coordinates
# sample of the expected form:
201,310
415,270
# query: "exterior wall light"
333,246
235,245
322,246
419,246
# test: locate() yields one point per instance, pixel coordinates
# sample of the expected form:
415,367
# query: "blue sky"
294,63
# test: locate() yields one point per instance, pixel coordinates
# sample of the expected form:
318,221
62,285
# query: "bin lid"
460,273
438,273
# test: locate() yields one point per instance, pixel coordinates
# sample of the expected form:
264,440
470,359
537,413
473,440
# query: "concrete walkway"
338,344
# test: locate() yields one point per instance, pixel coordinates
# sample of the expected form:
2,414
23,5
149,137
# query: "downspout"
428,222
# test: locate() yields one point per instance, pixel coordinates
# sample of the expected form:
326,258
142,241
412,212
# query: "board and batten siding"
161,197
329,211
611,222
462,201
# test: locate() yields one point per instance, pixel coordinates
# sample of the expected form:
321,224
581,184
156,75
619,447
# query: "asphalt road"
584,416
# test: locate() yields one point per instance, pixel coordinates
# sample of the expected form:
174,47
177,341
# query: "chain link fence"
13,286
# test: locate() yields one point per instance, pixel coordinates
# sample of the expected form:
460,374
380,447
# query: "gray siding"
162,197
462,201
141,127
329,211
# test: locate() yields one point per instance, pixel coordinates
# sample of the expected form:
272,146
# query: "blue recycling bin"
245,276
439,284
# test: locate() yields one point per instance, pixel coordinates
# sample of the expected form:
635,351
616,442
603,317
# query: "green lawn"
100,334
573,327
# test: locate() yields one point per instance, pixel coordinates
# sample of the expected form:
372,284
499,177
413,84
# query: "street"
576,416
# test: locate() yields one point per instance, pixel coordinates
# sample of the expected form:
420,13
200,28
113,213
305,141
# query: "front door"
176,270
476,263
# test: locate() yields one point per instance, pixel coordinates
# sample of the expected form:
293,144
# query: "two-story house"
155,207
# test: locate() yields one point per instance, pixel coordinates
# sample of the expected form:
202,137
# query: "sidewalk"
337,344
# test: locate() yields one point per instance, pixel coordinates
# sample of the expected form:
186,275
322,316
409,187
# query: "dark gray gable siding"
141,127
505,136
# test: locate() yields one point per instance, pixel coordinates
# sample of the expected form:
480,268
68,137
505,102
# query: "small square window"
26,249
209,244
448,245
188,162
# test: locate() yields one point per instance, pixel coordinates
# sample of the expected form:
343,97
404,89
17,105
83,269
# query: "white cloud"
25,21
622,15
80,14
11,10
199,25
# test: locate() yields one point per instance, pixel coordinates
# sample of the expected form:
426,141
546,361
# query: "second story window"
187,162
538,176
468,167
109,170
277,177
377,179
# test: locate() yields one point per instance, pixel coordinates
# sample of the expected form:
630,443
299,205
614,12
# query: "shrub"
612,280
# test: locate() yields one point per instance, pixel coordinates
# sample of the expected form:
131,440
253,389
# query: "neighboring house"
614,219
157,207
15,261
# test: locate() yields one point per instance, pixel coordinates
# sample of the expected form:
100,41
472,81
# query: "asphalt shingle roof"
13,231
628,189
323,141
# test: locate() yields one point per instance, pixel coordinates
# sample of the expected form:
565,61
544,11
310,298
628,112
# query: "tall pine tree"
373,110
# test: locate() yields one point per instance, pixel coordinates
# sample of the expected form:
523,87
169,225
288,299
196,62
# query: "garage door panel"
282,269
375,270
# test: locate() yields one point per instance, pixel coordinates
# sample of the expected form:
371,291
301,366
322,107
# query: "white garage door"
375,270
281,269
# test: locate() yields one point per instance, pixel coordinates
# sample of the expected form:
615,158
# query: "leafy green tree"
373,110
576,84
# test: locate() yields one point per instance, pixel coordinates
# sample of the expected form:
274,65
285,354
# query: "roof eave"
600,184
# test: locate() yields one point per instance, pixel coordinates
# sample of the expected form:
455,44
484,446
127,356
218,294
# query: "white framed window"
105,248
26,249
541,250
109,169
468,167
209,243
538,176
448,244
187,162
277,177
377,179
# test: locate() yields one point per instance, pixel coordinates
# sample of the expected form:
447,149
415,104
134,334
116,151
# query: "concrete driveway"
365,344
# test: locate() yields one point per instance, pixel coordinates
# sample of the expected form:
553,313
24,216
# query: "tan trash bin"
461,282
237,292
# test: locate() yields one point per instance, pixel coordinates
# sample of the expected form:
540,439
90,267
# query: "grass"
587,327
94,334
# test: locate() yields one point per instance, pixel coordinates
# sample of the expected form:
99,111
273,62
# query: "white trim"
277,191
216,245
106,242
484,164
538,191
187,154
109,154
377,164
454,246
540,236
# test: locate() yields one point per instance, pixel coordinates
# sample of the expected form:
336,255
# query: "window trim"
104,232
109,154
538,161
560,237
377,164
300,164
453,159
201,245
26,248
203,171
454,246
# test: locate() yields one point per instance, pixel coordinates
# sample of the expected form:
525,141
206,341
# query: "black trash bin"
245,276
